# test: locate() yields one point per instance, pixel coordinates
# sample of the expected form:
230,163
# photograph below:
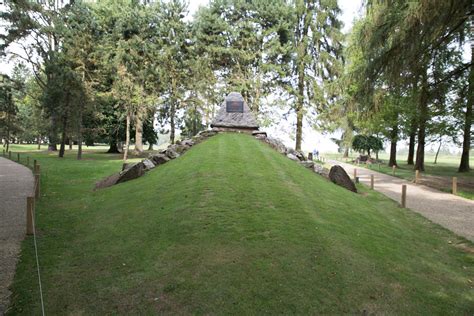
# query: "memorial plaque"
235,106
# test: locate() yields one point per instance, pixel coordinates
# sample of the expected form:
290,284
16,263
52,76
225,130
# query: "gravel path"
16,183
450,211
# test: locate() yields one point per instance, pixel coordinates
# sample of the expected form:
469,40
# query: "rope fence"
30,212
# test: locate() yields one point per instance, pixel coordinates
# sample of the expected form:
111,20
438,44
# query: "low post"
356,179
18,157
27,161
310,156
417,176
30,213
393,169
10,155
455,185
34,165
372,181
3,152
404,195
379,166
355,173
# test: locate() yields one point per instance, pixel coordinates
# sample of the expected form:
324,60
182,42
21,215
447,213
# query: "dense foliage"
109,70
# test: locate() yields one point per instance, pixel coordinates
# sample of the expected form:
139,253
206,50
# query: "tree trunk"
346,153
138,134
63,137
172,122
437,152
70,143
423,113
299,109
150,146
411,145
466,143
393,146
113,148
52,145
79,136
39,142
127,138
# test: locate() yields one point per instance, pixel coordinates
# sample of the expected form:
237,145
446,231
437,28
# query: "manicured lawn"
232,227
437,175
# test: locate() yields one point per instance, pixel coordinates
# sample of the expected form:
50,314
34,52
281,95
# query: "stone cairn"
233,116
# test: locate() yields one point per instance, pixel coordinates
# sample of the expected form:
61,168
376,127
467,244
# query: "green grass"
232,227
446,167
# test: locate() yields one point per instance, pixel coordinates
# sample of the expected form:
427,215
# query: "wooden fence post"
30,213
372,181
3,152
34,165
27,161
10,155
417,176
455,185
18,157
404,195
355,173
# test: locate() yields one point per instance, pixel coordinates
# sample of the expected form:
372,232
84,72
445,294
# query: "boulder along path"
450,211
16,183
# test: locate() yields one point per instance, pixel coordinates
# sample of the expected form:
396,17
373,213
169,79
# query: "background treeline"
104,71
406,78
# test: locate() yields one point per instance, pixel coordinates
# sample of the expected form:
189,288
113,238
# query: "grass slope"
232,227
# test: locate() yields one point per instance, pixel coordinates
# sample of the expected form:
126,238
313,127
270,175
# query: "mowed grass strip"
233,227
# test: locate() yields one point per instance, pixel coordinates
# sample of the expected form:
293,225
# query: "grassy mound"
232,227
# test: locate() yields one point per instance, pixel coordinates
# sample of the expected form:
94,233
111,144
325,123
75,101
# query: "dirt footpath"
16,183
450,211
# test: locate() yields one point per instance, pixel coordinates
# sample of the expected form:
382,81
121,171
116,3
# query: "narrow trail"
450,211
16,183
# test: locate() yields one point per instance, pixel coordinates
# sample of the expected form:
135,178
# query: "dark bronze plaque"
235,106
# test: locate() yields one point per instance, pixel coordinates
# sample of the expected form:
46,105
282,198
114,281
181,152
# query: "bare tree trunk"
52,145
79,136
172,122
299,110
466,144
423,109
393,146
411,145
70,142
138,134
437,152
127,138
39,142
63,137
113,148
346,153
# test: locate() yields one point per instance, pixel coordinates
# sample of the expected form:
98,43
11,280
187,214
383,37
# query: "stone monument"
235,115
